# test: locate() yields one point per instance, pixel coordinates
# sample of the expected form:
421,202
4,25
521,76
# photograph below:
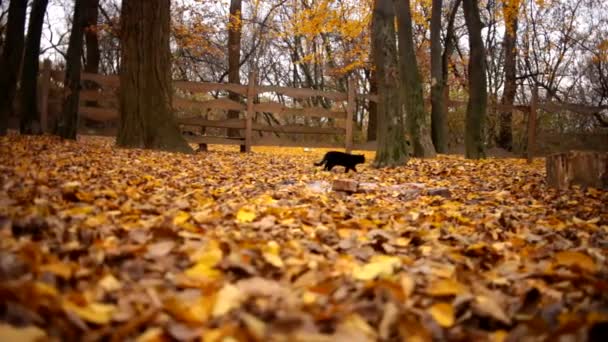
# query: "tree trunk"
10,60
505,133
92,41
392,148
67,125
234,58
583,168
418,124
372,122
30,117
445,65
146,118
478,97
439,128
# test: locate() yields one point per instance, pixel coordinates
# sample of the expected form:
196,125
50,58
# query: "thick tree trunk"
146,118
418,124
505,133
67,125
92,41
234,58
10,60
30,117
439,127
372,122
478,98
391,149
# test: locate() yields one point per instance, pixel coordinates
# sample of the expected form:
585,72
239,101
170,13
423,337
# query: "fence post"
45,86
250,112
350,109
532,124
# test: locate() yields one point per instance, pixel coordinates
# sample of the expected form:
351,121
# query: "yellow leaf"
379,266
443,313
77,211
355,322
25,334
206,260
192,311
60,269
408,285
110,283
97,313
45,289
446,287
151,335
272,254
577,259
95,221
309,297
245,215
228,298
181,218
499,336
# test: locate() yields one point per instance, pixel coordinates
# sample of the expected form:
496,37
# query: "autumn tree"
392,148
411,86
477,103
146,118
30,117
439,125
10,59
67,124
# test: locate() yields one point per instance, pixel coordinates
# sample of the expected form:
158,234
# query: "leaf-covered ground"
100,243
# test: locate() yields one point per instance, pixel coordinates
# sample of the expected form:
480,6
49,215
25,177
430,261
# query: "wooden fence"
108,87
106,93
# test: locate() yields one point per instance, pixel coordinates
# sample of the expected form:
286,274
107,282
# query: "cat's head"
360,158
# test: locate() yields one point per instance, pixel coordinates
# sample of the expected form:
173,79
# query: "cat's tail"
322,161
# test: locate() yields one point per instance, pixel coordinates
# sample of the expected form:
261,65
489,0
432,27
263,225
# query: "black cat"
349,161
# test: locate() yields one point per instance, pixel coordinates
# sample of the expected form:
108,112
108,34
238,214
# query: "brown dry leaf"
228,298
575,259
488,307
236,247
159,249
10,333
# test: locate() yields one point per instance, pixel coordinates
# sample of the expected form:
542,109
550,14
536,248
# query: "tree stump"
585,168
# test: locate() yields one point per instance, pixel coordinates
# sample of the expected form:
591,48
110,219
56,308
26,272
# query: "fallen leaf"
228,298
10,333
575,259
443,313
245,215
446,287
97,313
379,266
